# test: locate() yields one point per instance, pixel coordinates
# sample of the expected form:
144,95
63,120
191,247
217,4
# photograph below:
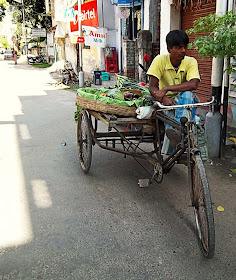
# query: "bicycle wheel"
84,141
201,201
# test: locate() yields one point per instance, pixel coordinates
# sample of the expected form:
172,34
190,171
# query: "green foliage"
4,42
35,13
77,112
220,38
3,5
41,65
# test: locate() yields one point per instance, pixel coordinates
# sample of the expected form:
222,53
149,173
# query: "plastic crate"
105,76
111,63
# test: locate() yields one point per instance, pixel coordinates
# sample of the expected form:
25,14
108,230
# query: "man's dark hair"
177,38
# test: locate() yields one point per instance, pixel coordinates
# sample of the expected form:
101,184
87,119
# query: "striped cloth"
144,112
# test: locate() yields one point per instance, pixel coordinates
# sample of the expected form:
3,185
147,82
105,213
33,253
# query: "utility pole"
23,22
81,73
23,29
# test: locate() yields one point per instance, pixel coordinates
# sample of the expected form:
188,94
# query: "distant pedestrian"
15,55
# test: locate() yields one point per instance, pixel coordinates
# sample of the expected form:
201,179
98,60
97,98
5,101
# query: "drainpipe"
225,94
214,117
133,18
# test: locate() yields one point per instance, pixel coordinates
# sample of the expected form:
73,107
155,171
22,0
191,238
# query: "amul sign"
95,36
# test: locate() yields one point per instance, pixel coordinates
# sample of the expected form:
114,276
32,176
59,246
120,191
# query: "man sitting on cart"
173,77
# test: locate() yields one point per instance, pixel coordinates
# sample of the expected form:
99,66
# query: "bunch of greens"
123,82
115,93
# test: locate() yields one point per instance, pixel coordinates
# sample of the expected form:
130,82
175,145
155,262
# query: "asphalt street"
58,223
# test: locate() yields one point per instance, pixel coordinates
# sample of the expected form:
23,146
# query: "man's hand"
168,101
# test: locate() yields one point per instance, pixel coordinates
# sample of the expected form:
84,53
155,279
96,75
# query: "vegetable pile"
114,96
123,82
127,92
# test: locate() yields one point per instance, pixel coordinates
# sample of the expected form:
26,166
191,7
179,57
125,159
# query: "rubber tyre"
201,201
84,141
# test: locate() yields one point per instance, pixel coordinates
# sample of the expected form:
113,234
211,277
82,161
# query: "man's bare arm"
160,94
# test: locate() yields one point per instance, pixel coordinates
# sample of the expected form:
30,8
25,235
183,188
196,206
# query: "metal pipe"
81,73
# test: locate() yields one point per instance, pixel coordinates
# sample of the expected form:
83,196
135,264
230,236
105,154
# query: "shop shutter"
205,66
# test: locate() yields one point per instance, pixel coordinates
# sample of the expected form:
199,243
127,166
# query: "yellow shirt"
163,69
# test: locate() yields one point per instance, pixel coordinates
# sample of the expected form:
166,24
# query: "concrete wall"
151,17
71,53
170,20
90,61
50,47
106,19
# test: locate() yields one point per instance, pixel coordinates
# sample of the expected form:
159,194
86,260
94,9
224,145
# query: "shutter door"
205,66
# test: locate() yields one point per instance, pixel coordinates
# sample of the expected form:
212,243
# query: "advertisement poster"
95,36
89,16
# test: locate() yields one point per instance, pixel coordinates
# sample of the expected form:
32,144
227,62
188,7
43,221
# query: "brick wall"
129,58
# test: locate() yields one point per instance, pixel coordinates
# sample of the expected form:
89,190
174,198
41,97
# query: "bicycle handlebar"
184,106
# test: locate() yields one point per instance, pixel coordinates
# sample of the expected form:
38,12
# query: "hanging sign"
127,3
75,39
38,32
89,16
95,36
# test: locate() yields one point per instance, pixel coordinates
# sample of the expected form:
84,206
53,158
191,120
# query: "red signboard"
80,40
89,12
89,16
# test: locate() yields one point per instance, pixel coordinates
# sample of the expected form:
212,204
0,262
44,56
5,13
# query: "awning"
192,5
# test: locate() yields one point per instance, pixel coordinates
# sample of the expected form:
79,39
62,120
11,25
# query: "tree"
220,40
3,5
34,11
4,42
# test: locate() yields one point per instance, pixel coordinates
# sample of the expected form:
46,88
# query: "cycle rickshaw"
151,130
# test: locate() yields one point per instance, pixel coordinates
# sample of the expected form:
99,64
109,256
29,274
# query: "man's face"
178,52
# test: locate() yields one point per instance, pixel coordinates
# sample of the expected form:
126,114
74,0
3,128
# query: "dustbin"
97,78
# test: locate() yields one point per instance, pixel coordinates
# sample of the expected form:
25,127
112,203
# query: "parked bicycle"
68,75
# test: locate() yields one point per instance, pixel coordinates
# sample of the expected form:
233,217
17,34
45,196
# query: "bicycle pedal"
144,183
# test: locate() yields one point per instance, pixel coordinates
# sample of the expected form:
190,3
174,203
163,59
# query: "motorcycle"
36,59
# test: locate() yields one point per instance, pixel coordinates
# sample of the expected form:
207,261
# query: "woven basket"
103,107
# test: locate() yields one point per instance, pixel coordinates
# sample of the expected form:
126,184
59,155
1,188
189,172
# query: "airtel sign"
89,16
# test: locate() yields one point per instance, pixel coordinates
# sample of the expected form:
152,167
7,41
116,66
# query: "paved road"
57,223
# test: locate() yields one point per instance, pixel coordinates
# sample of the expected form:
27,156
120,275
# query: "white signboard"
69,14
61,6
95,36
38,32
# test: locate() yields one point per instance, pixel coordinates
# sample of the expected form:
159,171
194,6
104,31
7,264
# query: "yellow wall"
90,61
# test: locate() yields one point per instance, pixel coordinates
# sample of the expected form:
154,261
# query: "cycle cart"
129,142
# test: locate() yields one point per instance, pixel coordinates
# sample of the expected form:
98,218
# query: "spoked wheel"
201,200
84,141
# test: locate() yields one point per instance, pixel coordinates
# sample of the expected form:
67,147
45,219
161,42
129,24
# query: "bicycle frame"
169,162
186,130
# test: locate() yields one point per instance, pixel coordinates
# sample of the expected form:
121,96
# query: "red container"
111,63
